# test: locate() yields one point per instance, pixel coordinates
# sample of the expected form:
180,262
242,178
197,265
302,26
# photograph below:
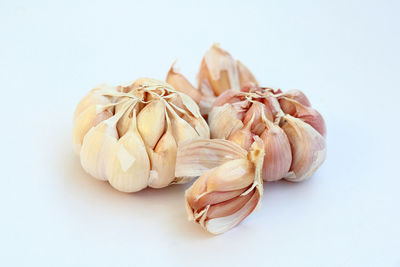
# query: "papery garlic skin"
308,148
229,189
179,82
218,73
292,131
128,135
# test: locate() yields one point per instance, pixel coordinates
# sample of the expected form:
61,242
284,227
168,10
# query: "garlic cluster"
129,135
285,132
230,185
218,72
151,134
291,130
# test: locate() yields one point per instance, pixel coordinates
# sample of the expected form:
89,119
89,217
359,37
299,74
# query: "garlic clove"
125,122
307,114
223,121
93,98
190,105
195,157
130,163
244,136
257,110
97,146
223,224
228,207
199,124
308,148
87,119
163,160
180,83
191,114
181,130
223,196
151,122
198,189
213,197
245,76
272,104
278,154
299,96
219,69
232,175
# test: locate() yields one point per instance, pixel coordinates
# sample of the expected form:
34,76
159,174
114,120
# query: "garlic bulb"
218,72
230,185
128,135
292,131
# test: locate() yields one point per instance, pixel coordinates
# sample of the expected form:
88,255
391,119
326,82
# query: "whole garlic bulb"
230,185
128,135
292,131
218,72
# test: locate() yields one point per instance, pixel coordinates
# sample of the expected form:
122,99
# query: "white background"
343,54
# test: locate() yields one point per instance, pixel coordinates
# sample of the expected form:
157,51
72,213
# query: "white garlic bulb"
128,135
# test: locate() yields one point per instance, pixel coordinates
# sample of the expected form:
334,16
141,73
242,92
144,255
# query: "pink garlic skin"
229,96
257,109
299,96
242,137
305,113
261,110
278,154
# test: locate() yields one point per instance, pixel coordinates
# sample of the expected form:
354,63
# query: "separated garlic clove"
223,121
224,195
130,165
202,200
229,207
220,225
307,114
163,159
245,76
232,175
180,83
278,154
87,119
194,157
151,122
218,71
308,148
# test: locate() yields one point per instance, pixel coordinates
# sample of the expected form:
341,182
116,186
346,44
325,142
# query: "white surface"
343,54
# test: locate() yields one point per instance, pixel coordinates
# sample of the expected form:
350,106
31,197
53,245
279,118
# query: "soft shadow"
165,205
